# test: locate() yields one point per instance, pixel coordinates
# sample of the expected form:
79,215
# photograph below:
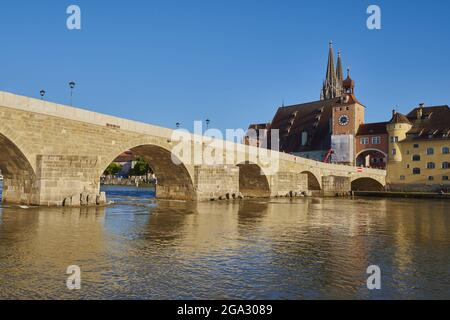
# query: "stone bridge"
54,155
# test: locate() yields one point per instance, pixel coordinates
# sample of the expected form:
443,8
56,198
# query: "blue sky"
231,61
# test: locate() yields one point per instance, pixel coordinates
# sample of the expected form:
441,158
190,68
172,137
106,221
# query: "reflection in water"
267,249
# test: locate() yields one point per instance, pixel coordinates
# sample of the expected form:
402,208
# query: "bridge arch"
253,182
313,181
174,180
367,184
19,177
372,157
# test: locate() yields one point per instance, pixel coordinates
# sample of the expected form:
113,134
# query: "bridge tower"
397,129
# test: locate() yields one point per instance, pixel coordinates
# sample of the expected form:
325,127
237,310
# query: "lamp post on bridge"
72,86
42,93
178,125
207,123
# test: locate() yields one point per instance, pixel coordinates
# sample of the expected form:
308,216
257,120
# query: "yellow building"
419,143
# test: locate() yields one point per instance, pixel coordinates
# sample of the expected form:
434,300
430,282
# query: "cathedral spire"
332,88
331,75
339,73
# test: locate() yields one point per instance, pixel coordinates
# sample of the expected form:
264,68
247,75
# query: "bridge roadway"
54,155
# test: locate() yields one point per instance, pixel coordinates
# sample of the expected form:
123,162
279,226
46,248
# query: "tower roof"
399,118
348,82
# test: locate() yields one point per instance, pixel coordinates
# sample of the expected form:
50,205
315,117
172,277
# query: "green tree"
141,168
113,169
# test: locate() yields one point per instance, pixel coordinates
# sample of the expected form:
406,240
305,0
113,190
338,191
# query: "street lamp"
178,125
42,93
72,86
207,123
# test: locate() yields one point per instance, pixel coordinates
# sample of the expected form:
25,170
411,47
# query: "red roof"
372,128
313,117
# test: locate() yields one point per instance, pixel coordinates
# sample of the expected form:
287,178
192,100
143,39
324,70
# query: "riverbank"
412,195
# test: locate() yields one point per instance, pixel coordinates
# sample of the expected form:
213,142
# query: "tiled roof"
313,117
372,128
399,118
259,126
433,123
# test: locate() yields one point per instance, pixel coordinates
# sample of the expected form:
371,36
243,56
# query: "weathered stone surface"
101,199
84,199
92,199
67,202
336,186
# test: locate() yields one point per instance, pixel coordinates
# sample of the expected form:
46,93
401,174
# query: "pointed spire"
331,88
331,76
339,73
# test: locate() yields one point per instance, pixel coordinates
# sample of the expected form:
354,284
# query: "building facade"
419,150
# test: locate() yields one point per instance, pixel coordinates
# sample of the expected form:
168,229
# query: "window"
407,151
407,166
376,140
416,157
445,165
445,178
431,165
394,152
445,150
430,151
415,146
304,138
402,177
364,140
416,171
430,178
394,139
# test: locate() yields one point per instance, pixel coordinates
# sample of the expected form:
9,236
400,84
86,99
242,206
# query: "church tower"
333,84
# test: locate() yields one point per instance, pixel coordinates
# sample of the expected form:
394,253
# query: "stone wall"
216,182
333,185
62,176
290,184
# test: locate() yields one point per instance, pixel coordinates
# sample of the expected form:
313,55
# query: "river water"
141,248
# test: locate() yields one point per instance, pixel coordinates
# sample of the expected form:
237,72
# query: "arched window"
430,151
445,165
431,165
416,171
445,150
416,157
